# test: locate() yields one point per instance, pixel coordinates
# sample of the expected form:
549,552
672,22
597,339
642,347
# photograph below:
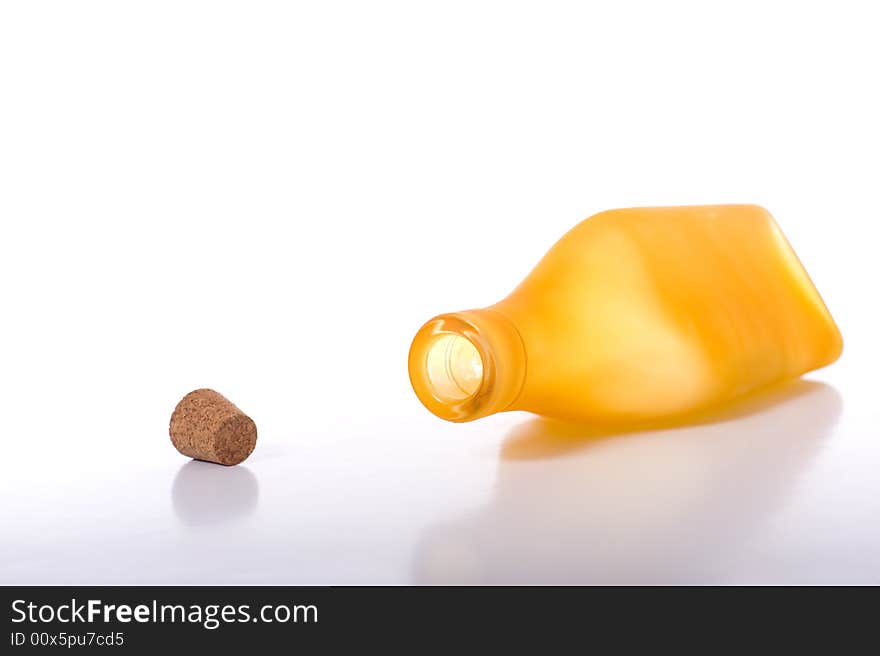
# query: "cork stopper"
207,426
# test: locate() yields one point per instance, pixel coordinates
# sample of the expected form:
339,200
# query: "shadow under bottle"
666,505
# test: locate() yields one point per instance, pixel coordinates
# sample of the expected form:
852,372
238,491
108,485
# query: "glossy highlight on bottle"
635,315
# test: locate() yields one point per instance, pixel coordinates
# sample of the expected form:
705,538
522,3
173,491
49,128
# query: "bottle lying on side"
635,315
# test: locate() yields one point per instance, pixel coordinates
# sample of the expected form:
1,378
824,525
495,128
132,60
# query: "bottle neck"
466,365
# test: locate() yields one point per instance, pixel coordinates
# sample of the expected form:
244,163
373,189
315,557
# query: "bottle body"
648,313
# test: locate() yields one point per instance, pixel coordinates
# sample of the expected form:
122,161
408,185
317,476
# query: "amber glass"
634,315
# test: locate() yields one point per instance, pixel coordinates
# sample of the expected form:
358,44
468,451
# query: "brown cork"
207,426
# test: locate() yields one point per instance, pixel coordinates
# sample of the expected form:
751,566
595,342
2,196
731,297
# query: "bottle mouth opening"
466,365
453,367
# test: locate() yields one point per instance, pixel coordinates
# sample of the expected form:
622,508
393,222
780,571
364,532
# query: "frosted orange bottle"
635,315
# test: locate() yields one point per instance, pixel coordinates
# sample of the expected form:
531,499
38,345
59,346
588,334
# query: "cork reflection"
666,505
204,493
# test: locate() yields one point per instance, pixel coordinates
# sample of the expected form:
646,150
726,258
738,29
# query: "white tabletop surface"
270,200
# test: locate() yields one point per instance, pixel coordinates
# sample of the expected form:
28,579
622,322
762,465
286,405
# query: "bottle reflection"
665,505
204,493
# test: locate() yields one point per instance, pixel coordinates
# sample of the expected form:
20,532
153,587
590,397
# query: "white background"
270,198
